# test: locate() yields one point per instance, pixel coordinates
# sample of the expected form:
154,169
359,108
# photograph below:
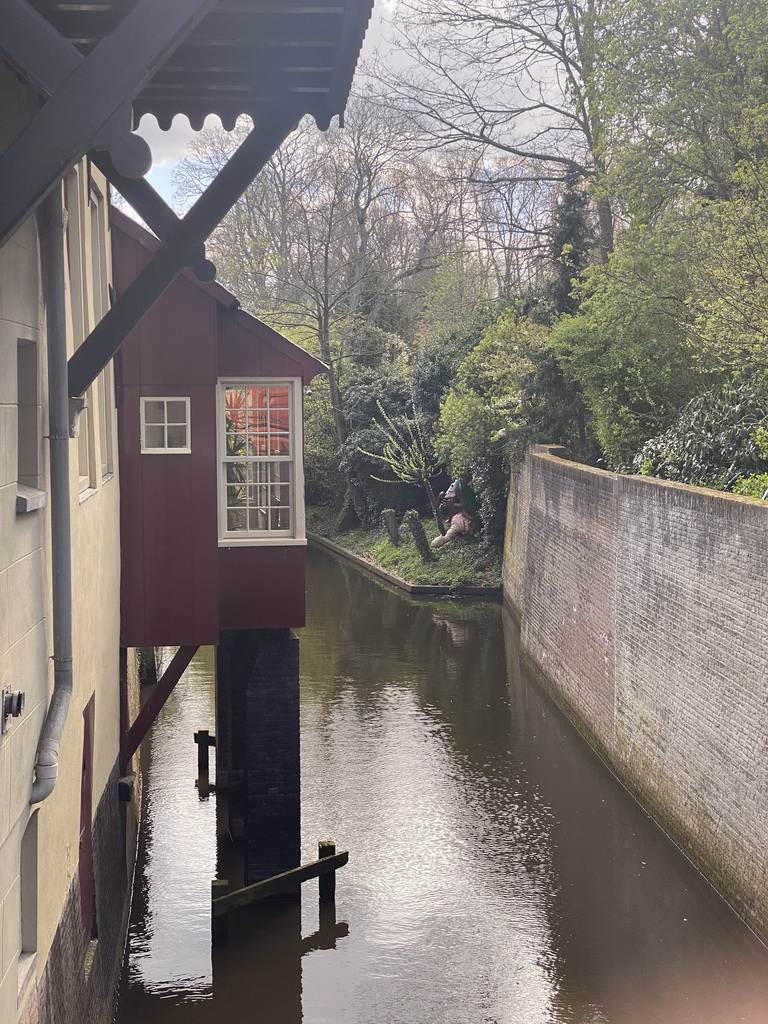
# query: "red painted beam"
160,694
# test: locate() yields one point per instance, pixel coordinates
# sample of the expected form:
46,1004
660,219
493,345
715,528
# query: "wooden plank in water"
277,884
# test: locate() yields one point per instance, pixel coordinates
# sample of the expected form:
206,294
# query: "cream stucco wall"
25,586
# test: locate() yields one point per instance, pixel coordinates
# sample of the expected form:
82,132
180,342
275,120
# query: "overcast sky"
168,147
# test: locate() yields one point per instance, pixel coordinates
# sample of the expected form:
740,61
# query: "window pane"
279,445
236,520
236,472
259,495
235,496
177,436
257,444
280,495
236,444
176,412
278,398
154,411
154,437
280,519
257,519
234,399
280,472
257,398
257,420
278,420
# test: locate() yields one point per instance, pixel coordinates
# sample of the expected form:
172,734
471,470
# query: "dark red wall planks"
179,587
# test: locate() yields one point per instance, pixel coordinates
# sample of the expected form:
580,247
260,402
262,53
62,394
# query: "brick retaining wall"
643,607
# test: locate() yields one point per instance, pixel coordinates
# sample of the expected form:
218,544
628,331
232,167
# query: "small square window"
165,425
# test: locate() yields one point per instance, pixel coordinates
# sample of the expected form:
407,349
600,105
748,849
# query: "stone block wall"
643,607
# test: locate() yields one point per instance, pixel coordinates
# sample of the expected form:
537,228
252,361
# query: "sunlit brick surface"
644,607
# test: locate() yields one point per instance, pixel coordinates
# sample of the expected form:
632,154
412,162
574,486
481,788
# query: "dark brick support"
259,675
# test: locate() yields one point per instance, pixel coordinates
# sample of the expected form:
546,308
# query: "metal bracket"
76,407
12,706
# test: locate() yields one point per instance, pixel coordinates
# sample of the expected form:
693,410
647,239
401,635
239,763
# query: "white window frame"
145,449
296,534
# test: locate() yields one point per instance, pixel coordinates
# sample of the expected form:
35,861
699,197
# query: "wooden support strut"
174,254
47,59
279,884
97,91
154,211
162,691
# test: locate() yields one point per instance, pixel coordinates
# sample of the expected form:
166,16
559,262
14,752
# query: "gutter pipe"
47,760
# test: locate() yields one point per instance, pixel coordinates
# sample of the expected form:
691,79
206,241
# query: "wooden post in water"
220,923
204,742
327,883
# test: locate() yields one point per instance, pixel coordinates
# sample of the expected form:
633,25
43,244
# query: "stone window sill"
29,498
27,962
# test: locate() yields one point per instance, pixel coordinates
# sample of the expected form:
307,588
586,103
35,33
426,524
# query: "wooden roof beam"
173,255
80,115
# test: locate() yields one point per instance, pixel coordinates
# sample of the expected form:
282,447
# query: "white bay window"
261,497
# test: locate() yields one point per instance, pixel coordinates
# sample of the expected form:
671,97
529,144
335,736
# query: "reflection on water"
498,874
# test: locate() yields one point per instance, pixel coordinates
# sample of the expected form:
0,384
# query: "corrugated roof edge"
350,47
224,297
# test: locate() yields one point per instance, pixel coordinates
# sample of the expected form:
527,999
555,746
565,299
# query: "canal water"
498,873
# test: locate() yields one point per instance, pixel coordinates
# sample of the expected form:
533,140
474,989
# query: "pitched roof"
223,297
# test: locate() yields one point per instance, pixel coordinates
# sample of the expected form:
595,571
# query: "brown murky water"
498,873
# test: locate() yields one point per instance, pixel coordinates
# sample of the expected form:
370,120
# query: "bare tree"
330,235
514,78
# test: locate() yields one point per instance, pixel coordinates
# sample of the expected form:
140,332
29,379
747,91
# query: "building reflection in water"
498,872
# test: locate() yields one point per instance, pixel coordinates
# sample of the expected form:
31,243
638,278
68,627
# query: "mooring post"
204,741
220,923
327,883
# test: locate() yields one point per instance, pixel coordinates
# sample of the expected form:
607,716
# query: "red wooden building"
210,444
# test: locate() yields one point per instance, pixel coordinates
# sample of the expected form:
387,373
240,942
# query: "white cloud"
170,147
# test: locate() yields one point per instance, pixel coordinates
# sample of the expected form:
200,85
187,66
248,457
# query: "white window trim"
165,451
297,535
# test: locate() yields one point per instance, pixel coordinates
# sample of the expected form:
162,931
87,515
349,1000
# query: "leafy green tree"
629,348
408,453
719,436
482,405
571,245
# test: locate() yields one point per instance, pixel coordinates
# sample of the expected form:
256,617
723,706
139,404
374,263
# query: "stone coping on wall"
556,453
487,593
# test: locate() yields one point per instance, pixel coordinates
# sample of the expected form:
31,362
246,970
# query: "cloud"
170,147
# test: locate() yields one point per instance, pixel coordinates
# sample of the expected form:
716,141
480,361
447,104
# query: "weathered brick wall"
258,722
79,982
643,606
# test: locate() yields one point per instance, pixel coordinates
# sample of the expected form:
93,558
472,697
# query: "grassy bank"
466,562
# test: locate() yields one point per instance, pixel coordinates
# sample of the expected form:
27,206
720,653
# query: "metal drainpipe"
47,762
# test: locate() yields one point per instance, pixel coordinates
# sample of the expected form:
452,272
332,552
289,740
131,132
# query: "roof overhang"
242,55
91,60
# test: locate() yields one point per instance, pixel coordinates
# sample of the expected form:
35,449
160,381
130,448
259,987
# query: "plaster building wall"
643,607
43,940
